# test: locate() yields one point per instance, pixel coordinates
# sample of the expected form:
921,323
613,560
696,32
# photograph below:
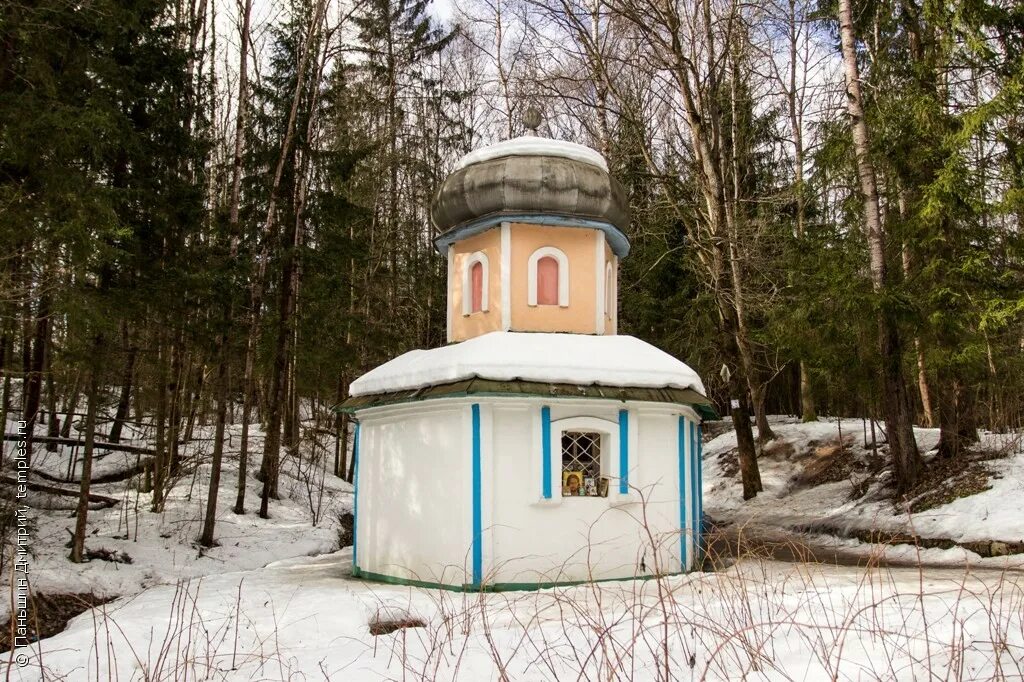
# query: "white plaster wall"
414,516
658,436
415,494
565,539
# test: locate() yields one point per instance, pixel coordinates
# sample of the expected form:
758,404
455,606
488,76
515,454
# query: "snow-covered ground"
269,604
163,546
788,503
306,618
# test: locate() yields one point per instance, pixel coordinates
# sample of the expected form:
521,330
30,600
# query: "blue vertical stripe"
545,448
682,490
700,490
478,549
355,496
623,451
694,494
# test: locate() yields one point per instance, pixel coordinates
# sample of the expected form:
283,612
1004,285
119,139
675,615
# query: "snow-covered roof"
555,358
534,146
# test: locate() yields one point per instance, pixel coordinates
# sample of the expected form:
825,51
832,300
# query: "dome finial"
532,119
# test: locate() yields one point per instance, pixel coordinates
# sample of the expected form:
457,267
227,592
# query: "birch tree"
896,403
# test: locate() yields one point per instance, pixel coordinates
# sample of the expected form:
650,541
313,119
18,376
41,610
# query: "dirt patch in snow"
48,614
779,449
831,462
730,463
945,480
386,626
838,460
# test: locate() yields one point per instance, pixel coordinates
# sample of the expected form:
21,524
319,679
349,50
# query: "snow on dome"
534,146
553,358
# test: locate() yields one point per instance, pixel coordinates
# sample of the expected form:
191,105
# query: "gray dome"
531,177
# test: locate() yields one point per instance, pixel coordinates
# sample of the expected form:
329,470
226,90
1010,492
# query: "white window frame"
613,312
563,275
609,431
610,299
467,283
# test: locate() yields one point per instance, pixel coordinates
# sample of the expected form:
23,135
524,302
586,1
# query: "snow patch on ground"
163,546
252,609
989,515
308,619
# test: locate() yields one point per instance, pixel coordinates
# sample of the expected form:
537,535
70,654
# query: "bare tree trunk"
733,217
351,477
24,268
596,57
207,537
289,421
922,374
922,384
808,412
958,429
53,424
82,512
159,464
272,441
195,400
704,119
243,451
504,77
750,474
174,393
341,433
70,405
696,66
967,424
124,401
6,349
236,184
896,402
34,378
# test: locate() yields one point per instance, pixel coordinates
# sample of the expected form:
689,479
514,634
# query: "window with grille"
581,465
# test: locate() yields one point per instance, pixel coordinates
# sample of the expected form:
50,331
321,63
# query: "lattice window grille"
581,451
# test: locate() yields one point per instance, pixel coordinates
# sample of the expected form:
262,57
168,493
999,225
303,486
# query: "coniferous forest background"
216,212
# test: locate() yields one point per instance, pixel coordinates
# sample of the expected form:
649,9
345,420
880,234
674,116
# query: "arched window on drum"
548,278
475,277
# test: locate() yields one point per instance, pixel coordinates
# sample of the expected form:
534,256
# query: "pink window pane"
547,281
476,278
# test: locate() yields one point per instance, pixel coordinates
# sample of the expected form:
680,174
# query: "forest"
217,213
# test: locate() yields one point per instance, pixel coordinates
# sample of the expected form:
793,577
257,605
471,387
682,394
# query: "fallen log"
112,477
100,445
102,500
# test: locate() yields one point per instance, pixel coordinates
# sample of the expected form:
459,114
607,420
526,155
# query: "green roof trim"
477,387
